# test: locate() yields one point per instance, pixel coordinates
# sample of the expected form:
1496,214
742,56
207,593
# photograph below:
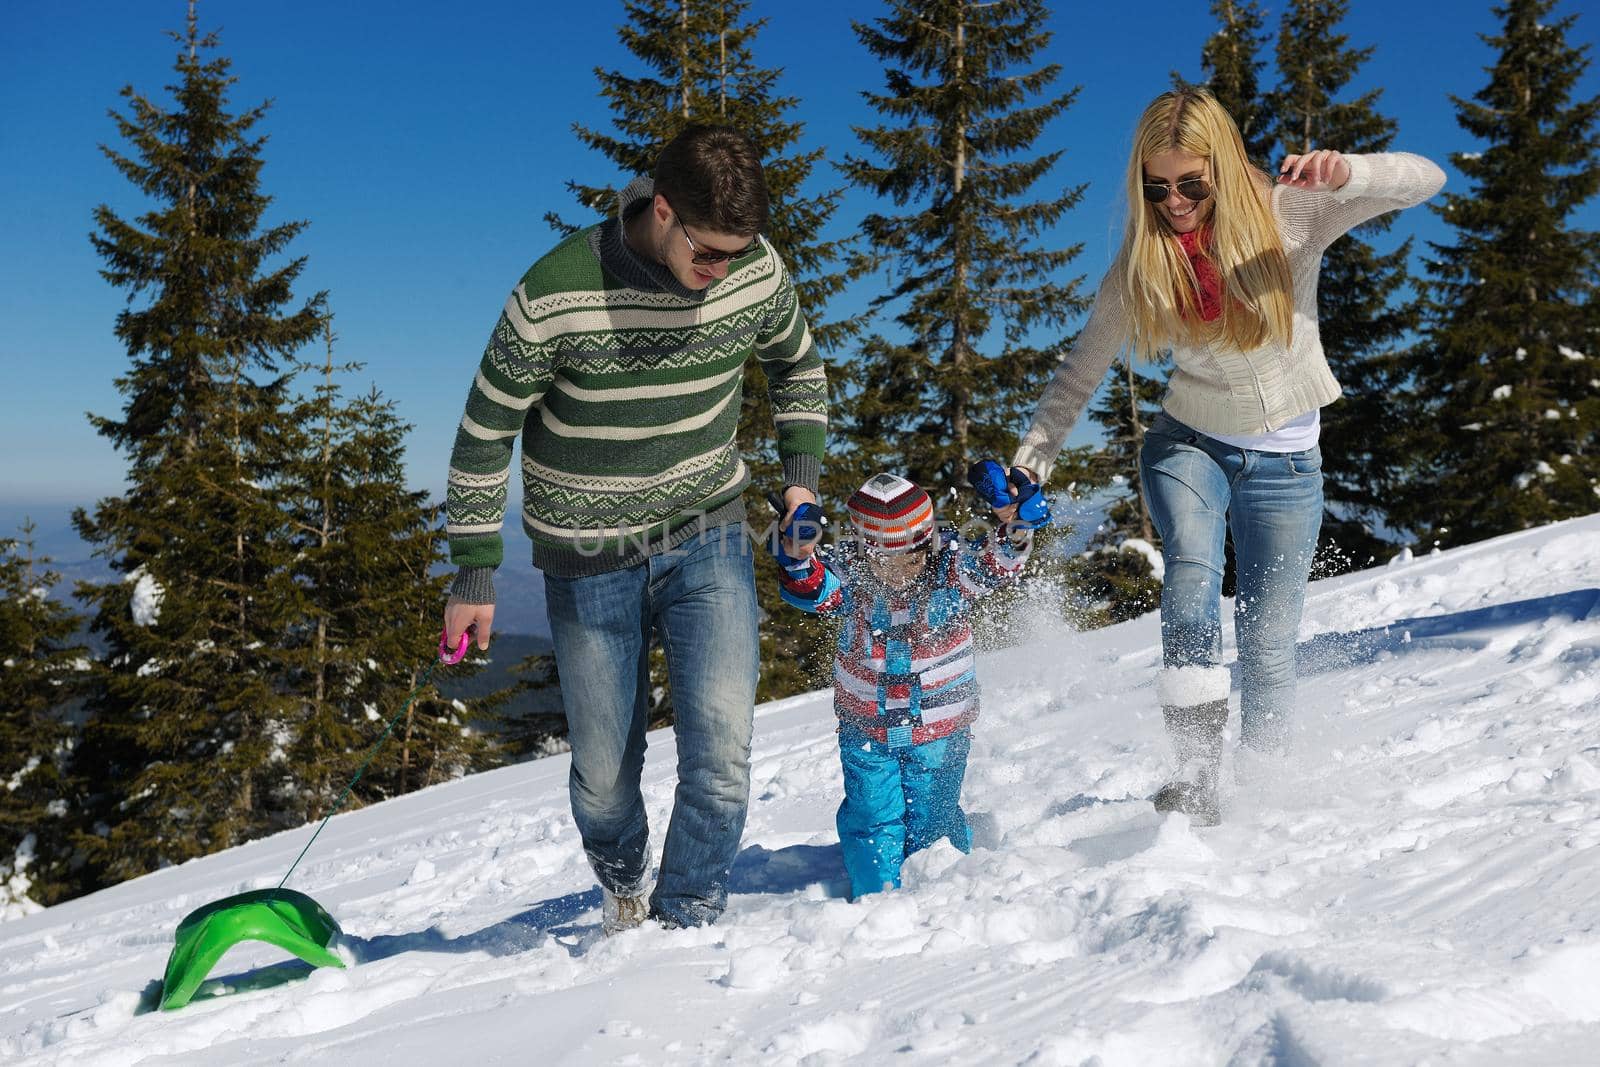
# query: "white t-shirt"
1296,435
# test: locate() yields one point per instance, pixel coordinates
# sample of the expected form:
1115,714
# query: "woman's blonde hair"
1163,294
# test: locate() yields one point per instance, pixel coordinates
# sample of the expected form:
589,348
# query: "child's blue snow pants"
898,800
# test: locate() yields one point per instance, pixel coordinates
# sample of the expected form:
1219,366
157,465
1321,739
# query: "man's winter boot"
621,913
1194,702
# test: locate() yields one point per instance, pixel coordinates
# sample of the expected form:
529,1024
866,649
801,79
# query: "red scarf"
1194,245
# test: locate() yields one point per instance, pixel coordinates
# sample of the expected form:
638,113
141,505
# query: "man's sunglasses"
1190,189
710,257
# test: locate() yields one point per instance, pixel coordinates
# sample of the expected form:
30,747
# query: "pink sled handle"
446,655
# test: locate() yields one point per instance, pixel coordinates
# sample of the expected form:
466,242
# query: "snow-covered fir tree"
1507,422
182,714
42,670
974,282
368,589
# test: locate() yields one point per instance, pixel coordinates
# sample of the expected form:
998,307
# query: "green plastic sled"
292,921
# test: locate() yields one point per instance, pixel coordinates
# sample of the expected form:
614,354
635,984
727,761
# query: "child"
904,687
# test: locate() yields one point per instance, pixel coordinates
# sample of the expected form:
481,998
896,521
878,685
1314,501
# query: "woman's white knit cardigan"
1216,388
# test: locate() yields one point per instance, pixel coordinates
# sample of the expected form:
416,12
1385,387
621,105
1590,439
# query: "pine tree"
1115,579
1230,69
1509,381
186,709
701,68
530,735
963,257
188,705
1366,315
365,562
42,671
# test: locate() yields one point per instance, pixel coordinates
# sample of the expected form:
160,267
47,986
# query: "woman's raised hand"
1321,170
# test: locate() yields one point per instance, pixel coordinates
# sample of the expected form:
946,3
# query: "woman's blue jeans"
702,598
1198,489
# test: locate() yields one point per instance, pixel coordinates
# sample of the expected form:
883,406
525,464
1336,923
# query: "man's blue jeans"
1198,489
702,598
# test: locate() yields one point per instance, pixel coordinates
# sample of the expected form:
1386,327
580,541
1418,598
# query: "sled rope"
372,752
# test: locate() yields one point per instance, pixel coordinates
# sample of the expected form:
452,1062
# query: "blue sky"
424,142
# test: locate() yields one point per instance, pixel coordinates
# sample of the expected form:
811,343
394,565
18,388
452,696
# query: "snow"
15,883
1152,555
147,594
1541,471
1417,885
15,781
1502,392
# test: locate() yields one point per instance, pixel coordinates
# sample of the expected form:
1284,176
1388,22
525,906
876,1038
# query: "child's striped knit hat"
891,514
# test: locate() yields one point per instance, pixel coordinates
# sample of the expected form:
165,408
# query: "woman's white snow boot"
1194,703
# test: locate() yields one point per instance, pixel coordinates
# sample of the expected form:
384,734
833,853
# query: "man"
619,360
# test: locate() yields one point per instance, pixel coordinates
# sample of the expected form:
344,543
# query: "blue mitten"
804,527
989,479
1033,509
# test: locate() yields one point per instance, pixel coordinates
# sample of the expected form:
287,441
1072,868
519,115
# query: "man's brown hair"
712,177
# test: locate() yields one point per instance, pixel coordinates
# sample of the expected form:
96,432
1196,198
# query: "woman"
1220,264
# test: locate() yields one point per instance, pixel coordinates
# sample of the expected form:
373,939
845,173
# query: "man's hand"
460,617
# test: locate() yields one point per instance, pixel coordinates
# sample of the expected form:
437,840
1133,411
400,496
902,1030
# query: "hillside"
1419,885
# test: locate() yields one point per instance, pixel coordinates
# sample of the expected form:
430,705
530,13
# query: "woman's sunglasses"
1189,189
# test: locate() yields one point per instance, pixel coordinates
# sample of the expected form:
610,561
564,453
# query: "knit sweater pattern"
625,389
1216,388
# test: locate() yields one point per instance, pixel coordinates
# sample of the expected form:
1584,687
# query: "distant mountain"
54,537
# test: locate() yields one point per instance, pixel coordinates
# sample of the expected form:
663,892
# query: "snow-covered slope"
1423,884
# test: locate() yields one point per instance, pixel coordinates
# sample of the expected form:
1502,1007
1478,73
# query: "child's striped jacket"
903,670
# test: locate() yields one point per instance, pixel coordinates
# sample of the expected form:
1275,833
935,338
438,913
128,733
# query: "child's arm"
803,580
994,562
811,587
1019,505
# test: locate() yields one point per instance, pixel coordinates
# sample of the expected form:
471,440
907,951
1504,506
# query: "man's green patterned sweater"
625,387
